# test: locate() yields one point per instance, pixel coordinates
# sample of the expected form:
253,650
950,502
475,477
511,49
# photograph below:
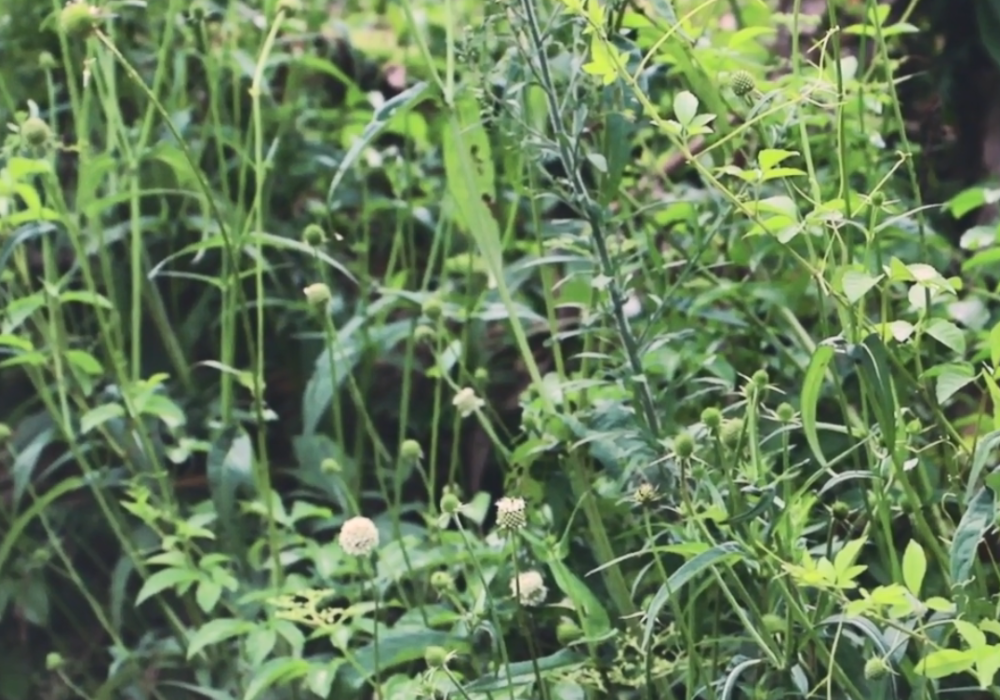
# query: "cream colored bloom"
467,402
510,513
529,588
317,294
359,536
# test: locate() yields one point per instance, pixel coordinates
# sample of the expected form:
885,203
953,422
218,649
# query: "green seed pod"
313,235
35,131
731,431
786,414
411,451
77,19
684,445
436,657
712,418
432,308
450,504
742,83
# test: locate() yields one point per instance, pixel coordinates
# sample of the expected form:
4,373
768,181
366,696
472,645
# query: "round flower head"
467,402
510,513
529,588
317,294
359,536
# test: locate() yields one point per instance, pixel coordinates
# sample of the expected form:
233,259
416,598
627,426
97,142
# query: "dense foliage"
558,349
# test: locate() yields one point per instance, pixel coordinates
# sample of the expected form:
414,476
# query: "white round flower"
359,536
510,513
529,588
467,402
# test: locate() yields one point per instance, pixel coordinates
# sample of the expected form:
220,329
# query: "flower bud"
312,235
317,294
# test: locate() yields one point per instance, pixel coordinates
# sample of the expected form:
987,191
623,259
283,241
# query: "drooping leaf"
719,554
980,514
812,384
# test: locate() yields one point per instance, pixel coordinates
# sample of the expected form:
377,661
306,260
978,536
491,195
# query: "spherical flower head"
411,451
53,661
684,445
759,384
742,83
437,657
773,623
46,61
77,19
290,7
467,402
712,418
442,581
529,588
432,308
511,513
840,511
5,433
35,131
645,495
359,536
317,294
785,412
450,504
313,235
424,334
330,466
876,668
731,431
481,374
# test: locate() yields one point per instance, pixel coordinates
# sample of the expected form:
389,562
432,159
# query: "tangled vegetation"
515,349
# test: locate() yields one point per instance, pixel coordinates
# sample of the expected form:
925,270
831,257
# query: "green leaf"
523,672
163,580
230,469
995,346
719,554
951,379
811,386
207,595
944,662
593,617
402,102
215,631
275,672
685,107
874,371
99,416
914,567
948,334
770,157
857,284
977,519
